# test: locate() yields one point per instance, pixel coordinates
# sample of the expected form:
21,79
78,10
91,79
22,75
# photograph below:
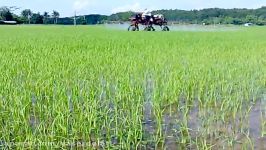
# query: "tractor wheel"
149,28
146,29
133,28
166,28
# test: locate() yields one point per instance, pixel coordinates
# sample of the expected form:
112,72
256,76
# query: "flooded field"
95,87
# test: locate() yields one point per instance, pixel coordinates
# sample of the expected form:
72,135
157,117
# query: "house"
248,24
8,22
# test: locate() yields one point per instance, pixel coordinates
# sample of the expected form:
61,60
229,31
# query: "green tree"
27,14
251,18
261,21
217,20
228,20
18,19
37,18
8,16
83,20
45,17
237,21
5,13
55,15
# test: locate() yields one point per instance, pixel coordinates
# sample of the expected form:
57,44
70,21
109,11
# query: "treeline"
27,16
83,20
207,16
217,16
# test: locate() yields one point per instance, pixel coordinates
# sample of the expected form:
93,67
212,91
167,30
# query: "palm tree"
27,13
55,15
45,17
6,13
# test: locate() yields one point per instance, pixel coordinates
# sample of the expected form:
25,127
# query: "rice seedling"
95,88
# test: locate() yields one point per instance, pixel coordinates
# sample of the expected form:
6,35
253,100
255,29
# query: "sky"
107,7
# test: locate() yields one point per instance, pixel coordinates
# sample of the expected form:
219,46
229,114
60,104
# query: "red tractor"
148,22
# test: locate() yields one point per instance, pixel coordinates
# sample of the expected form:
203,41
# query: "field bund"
96,88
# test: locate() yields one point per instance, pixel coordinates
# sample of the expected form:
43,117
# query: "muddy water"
257,119
243,131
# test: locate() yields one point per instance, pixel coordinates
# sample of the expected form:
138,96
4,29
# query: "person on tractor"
147,16
138,16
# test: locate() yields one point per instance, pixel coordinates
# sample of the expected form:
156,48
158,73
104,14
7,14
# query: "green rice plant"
89,87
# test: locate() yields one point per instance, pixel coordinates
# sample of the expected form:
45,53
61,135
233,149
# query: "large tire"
166,28
133,28
149,28
146,29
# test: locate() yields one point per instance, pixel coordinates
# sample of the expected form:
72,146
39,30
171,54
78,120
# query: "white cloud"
81,4
135,7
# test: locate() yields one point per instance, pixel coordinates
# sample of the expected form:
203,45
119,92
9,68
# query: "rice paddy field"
90,87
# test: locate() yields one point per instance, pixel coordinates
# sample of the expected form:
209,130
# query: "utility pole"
75,22
29,17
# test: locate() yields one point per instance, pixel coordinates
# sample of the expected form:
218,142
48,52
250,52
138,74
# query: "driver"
138,16
146,15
